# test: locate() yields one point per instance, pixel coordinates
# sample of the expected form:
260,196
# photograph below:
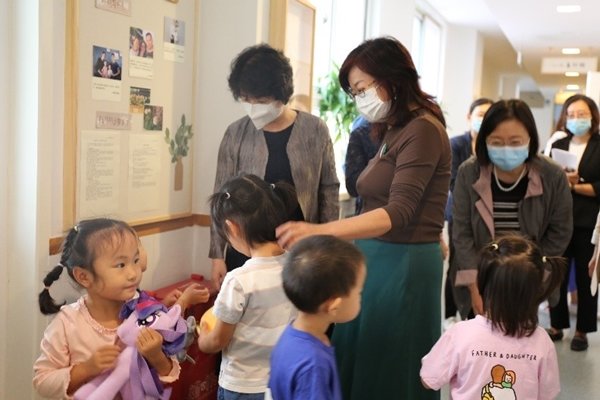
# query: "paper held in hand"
565,159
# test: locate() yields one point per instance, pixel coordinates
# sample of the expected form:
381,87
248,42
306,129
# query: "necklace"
514,185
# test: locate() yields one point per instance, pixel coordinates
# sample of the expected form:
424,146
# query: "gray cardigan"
545,214
310,151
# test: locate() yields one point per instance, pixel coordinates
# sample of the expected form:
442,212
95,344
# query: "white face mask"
263,114
371,106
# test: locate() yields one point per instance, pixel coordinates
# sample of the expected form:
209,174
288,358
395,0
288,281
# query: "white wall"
461,75
391,17
6,44
544,116
23,219
243,24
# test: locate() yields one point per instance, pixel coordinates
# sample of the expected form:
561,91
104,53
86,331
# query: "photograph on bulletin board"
153,118
141,62
138,98
107,63
174,40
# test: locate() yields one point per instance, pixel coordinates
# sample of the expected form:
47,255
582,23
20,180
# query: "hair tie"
544,259
227,195
494,246
47,288
273,186
76,228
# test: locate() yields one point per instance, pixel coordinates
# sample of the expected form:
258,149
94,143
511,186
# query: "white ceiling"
532,27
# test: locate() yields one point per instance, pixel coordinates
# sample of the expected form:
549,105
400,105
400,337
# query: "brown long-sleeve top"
409,178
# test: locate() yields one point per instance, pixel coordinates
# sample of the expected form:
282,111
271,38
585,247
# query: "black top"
278,164
585,208
506,204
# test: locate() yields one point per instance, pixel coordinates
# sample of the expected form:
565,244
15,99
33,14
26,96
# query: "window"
427,51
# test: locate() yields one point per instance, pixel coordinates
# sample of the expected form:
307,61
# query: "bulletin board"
128,78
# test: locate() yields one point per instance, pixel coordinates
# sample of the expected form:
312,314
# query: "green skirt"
379,353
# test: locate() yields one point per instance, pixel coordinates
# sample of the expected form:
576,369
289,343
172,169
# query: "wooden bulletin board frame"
292,30
78,111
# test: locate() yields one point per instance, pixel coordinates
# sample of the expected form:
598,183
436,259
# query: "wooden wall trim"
150,227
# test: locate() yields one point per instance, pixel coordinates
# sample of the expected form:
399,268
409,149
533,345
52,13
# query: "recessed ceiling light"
572,87
571,50
568,8
572,74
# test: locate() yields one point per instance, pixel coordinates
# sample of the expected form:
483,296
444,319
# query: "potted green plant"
335,106
179,146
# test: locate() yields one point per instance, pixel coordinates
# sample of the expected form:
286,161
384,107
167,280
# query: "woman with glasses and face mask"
507,186
274,142
404,189
580,122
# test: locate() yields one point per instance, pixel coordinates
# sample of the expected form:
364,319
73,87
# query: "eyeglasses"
510,143
361,93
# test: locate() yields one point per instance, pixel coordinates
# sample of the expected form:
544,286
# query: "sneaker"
579,343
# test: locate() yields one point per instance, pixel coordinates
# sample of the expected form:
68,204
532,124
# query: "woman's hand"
476,300
444,248
573,177
293,231
219,270
593,261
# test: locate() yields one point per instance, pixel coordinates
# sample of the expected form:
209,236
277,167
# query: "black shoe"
579,343
555,336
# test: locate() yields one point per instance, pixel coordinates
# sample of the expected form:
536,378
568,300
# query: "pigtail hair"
45,300
555,269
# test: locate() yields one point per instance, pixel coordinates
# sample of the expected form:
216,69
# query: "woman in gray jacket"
507,186
274,142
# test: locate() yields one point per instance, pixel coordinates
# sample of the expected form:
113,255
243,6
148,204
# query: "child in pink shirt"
103,256
504,354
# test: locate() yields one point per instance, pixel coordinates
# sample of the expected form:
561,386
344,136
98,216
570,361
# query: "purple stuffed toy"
133,378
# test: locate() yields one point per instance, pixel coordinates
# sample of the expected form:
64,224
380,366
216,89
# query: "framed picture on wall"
292,30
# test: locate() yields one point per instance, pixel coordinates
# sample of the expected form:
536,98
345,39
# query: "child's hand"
193,294
149,344
104,358
172,297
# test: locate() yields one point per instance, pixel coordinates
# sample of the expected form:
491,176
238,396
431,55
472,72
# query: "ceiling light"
572,74
572,87
568,8
571,50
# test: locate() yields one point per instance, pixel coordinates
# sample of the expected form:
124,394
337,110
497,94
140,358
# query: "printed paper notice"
565,159
144,172
99,173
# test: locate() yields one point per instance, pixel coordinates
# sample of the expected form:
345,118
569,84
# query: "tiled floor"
579,371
